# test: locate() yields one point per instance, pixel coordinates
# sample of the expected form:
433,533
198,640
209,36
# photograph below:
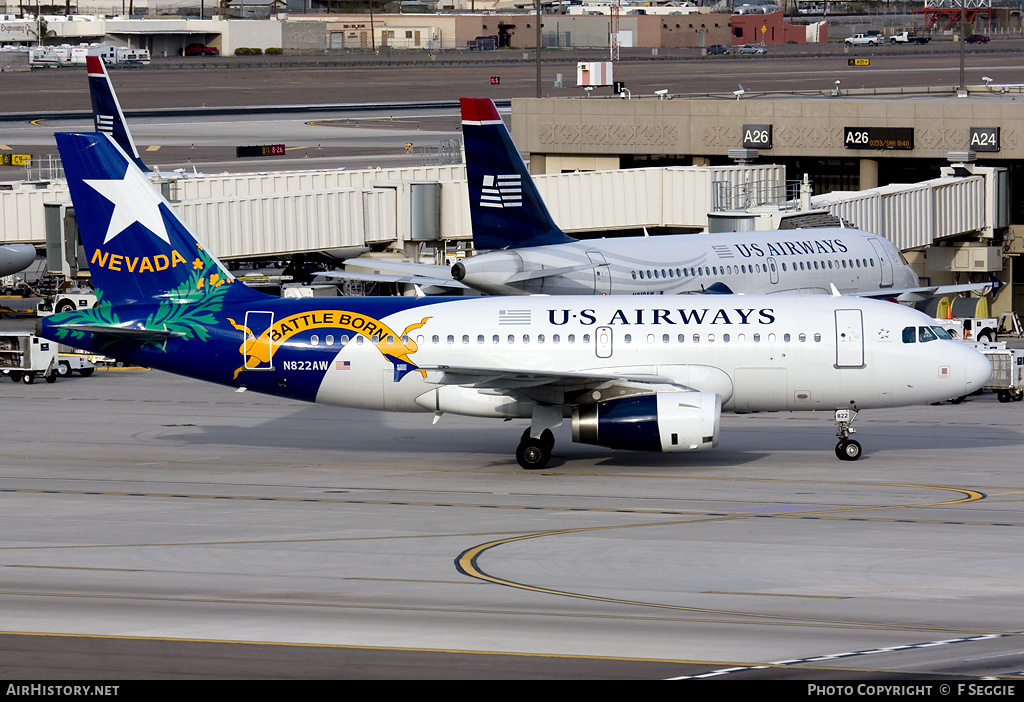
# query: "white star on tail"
135,200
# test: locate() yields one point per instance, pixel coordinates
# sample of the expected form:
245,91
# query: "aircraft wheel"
848,450
958,400
533,454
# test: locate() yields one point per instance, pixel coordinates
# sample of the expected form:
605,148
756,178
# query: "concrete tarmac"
158,527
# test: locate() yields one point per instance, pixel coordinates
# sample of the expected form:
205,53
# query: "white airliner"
642,373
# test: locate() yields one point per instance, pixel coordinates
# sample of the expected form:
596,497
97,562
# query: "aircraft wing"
515,379
923,293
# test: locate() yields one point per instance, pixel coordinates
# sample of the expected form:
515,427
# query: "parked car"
719,49
752,49
201,50
977,39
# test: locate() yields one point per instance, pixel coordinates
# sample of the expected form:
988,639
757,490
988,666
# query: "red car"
977,39
201,50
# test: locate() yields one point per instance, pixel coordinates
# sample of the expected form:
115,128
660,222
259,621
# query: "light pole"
962,92
538,47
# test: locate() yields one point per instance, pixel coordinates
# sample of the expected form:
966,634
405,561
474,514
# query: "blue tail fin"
106,111
505,208
137,247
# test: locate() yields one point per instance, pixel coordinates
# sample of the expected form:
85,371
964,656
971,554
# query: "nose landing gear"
847,449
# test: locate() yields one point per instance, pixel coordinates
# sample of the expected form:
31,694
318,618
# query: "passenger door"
849,339
884,263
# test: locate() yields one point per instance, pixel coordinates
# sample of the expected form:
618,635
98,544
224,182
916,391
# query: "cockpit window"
909,335
926,334
943,333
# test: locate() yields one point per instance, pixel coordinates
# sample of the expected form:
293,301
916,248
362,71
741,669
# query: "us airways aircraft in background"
523,251
531,254
641,373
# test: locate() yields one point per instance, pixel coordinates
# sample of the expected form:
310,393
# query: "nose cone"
977,369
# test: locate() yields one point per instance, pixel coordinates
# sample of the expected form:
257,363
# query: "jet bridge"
280,214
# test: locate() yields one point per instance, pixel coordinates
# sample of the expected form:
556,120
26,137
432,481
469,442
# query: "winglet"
505,208
106,111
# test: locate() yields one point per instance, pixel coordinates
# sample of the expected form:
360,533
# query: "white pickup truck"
864,39
909,38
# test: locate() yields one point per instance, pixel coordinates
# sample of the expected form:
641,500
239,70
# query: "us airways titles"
704,315
792,248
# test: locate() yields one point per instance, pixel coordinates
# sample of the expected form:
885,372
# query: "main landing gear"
847,449
534,454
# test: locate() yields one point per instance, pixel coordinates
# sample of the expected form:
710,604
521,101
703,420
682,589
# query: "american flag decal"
502,191
105,123
342,365
724,251
514,317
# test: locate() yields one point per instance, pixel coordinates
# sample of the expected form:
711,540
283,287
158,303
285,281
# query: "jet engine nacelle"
663,421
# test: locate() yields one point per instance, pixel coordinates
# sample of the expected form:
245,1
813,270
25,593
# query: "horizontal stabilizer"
124,333
430,270
392,278
549,272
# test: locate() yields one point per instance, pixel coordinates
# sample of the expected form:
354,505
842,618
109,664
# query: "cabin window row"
909,336
655,273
